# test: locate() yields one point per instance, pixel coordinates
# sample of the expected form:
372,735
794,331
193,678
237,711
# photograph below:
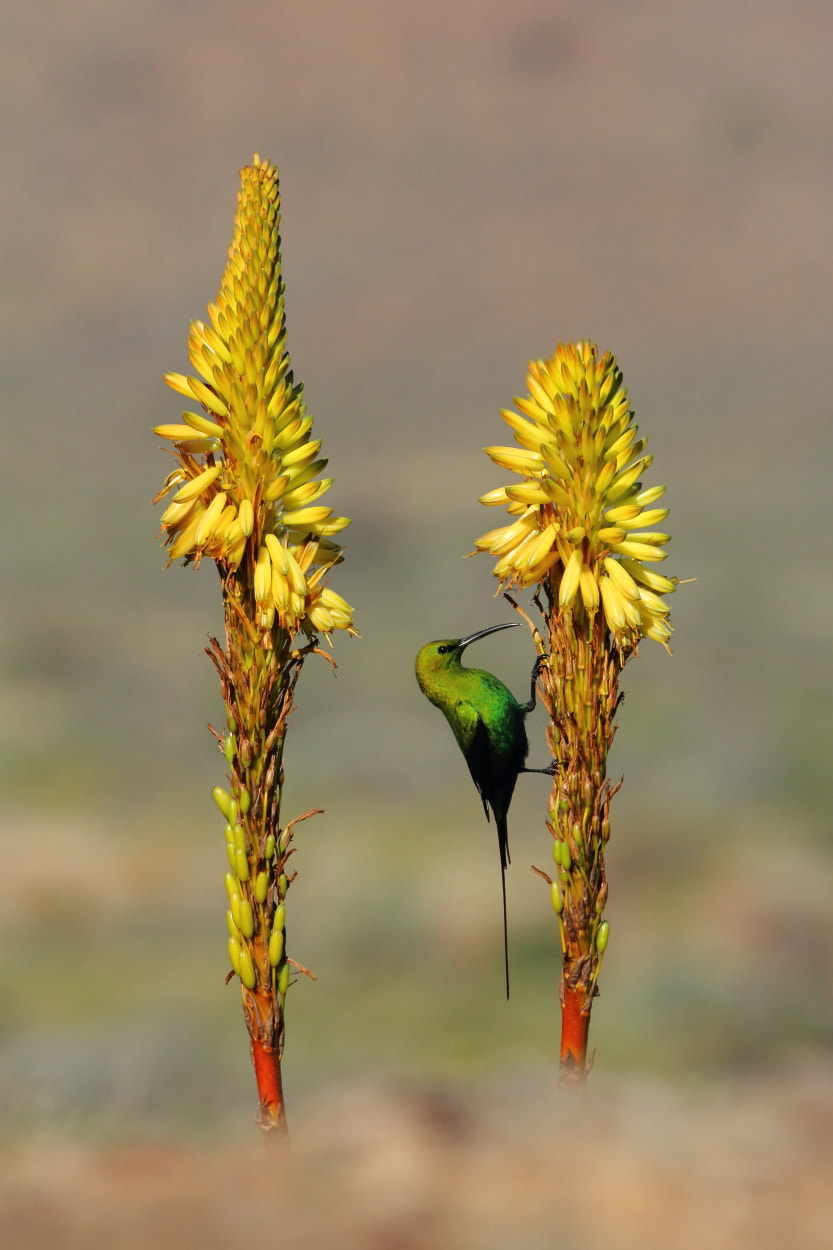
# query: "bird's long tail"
503,842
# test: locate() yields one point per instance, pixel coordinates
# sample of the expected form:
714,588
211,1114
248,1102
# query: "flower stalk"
578,536
247,491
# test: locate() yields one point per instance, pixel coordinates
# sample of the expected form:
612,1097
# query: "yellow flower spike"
246,493
579,462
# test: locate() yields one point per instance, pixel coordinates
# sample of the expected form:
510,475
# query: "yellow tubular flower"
248,465
581,513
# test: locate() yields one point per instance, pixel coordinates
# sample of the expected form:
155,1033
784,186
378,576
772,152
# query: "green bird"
488,723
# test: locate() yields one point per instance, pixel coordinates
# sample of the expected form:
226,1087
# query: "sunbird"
488,723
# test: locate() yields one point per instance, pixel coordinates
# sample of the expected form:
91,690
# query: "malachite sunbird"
488,723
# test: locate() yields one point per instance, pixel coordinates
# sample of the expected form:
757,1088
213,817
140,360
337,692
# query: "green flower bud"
223,800
242,865
238,837
246,970
279,918
577,835
230,882
283,885
234,905
261,887
234,949
283,980
276,947
269,849
285,839
602,934
232,927
244,801
557,900
228,748
247,920
564,858
232,724
231,851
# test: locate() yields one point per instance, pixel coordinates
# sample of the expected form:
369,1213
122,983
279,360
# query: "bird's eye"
444,650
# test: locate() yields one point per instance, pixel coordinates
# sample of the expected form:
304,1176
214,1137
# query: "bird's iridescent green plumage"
488,723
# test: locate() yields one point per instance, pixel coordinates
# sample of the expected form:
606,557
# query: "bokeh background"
464,183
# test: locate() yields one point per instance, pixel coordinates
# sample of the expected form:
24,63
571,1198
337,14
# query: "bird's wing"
475,748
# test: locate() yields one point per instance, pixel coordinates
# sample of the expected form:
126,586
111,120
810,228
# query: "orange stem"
575,1026
267,1065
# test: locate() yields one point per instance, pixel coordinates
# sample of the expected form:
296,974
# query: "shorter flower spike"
579,513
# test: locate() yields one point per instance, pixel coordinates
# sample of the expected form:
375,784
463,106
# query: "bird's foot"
550,770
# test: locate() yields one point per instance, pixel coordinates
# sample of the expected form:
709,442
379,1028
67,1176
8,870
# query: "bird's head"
437,658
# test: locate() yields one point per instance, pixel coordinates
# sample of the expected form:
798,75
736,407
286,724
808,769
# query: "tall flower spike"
581,514
249,470
247,491
579,533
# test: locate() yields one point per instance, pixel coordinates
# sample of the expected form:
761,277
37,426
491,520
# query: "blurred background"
464,184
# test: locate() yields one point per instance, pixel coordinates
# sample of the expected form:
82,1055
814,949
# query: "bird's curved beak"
481,633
